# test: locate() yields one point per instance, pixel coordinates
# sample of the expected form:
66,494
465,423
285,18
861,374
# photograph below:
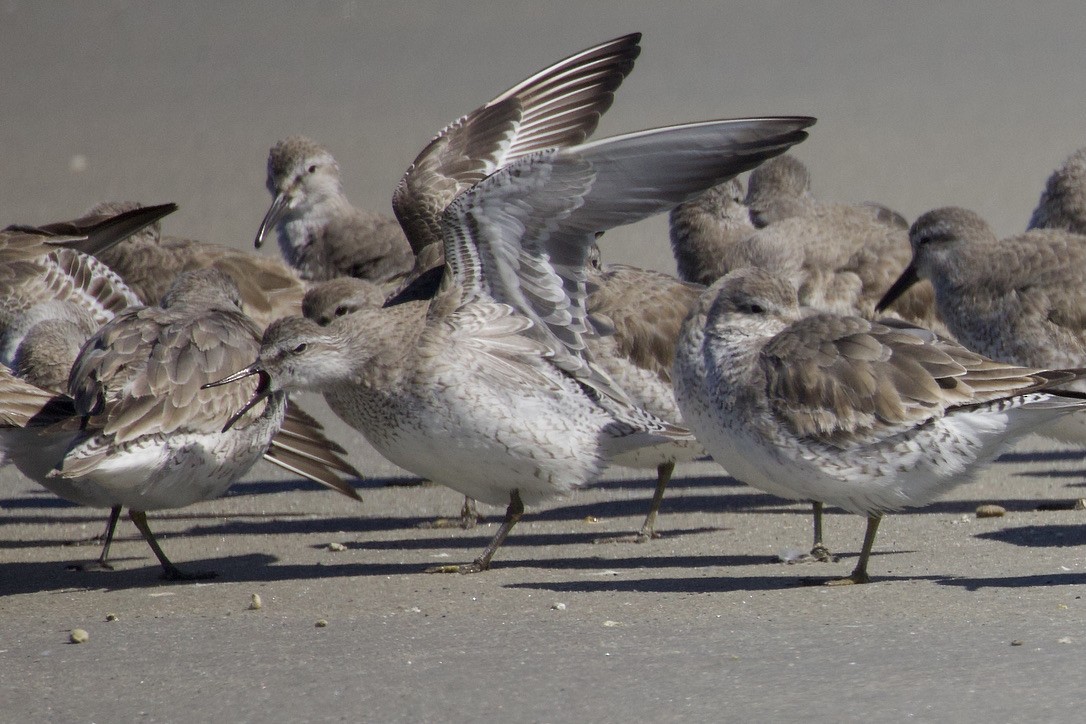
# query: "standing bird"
335,298
840,257
1019,300
483,384
321,234
870,417
137,430
485,387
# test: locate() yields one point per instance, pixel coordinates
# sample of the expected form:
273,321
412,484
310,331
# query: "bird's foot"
818,554
92,566
854,579
463,522
464,568
642,536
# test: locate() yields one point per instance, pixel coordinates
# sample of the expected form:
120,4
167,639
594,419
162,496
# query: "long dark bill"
263,390
906,280
275,212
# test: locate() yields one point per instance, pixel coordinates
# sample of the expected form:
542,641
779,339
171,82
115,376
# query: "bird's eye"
301,347
313,168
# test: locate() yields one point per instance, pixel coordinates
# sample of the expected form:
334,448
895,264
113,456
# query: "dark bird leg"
859,574
482,563
648,528
170,571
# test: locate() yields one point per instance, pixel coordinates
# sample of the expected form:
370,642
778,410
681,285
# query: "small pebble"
255,604
1017,642
591,519
1064,640
991,511
321,623
336,547
79,636
610,624
558,607
111,617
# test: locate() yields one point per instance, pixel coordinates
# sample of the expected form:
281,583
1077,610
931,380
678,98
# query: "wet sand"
920,107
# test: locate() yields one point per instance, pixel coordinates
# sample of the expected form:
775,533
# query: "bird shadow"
1040,580
1039,536
704,584
1041,456
516,539
37,577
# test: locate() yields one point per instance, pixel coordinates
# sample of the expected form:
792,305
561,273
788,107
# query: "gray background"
919,106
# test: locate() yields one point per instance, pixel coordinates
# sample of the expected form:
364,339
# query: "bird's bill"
906,280
275,214
262,391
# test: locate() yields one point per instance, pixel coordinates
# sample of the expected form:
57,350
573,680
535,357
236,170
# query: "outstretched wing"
558,106
522,236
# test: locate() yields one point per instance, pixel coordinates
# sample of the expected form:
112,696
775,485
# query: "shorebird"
779,190
483,385
321,234
870,417
43,269
1063,202
136,430
46,341
148,262
637,314
1018,300
839,256
849,254
335,298
706,230
559,106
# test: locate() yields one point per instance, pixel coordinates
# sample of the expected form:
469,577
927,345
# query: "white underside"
486,440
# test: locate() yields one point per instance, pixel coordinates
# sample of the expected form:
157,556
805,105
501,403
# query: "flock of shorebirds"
819,351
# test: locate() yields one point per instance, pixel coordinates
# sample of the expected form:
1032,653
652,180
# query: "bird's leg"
648,528
170,571
111,526
819,551
859,574
469,514
102,564
469,517
99,538
482,563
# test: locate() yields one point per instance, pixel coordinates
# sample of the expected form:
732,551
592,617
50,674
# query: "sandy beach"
919,106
